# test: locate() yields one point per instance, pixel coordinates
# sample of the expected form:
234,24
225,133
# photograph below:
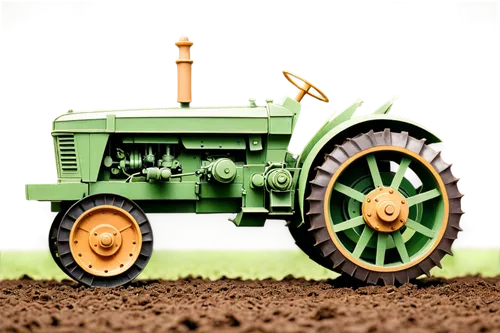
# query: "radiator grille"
67,155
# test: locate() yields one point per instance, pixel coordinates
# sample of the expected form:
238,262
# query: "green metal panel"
351,128
83,126
97,144
280,125
171,190
256,157
187,125
154,139
276,155
186,120
293,106
56,192
280,119
90,153
147,191
208,206
167,125
110,123
255,142
82,143
214,142
220,190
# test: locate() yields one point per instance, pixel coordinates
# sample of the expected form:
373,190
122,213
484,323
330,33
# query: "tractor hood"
168,120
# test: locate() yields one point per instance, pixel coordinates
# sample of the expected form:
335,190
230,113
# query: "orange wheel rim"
105,241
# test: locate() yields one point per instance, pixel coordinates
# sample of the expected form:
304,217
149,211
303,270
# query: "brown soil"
470,304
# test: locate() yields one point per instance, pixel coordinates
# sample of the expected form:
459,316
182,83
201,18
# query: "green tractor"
367,197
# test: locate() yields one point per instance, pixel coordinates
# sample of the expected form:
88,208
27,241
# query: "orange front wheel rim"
105,241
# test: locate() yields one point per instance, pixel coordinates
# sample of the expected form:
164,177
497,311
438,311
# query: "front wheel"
379,224
104,240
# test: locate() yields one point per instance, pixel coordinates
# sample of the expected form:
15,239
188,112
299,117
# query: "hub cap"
385,210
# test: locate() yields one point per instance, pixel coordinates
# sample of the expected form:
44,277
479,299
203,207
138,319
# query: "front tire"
104,240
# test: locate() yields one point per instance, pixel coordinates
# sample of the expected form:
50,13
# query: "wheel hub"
105,240
385,209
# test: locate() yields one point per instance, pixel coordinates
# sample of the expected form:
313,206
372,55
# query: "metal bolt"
391,191
90,266
76,242
401,221
392,228
131,254
380,188
116,245
377,227
134,242
121,265
79,254
114,233
369,214
255,142
368,200
105,271
95,233
402,201
376,200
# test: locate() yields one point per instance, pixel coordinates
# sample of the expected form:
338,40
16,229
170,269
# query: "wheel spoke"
398,177
420,228
372,164
363,241
381,247
400,246
416,199
125,228
349,224
350,192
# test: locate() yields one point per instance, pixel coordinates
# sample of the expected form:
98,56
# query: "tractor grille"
68,164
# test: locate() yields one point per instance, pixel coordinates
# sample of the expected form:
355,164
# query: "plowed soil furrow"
470,304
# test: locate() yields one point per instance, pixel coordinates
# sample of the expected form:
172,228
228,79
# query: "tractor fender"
348,129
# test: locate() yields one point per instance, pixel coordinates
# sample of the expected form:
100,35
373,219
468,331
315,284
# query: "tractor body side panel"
125,152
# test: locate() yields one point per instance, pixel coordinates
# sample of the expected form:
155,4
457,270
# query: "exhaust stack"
184,72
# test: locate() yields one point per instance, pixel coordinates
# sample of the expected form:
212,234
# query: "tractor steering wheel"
304,89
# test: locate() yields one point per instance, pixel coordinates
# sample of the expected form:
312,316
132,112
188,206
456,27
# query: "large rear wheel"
379,225
104,240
